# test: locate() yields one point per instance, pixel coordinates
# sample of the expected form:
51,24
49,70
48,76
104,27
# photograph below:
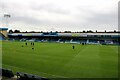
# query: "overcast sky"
60,15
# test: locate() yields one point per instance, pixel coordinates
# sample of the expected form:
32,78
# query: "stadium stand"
2,37
8,75
79,38
25,76
3,31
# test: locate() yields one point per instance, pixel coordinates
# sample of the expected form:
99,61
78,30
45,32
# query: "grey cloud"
99,18
28,20
50,8
96,19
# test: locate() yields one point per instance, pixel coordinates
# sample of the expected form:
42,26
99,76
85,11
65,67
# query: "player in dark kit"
26,43
32,48
33,43
73,47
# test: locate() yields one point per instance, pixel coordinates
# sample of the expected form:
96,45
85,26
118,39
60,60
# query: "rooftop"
3,28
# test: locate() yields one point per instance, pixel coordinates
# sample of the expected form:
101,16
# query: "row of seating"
25,76
65,40
6,73
20,76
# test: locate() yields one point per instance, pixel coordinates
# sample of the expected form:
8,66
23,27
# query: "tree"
90,31
67,31
114,30
17,31
105,30
56,31
10,31
83,31
96,31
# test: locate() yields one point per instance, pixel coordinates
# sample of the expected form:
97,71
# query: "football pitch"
59,60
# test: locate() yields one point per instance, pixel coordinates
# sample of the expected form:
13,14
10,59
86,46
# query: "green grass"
60,60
